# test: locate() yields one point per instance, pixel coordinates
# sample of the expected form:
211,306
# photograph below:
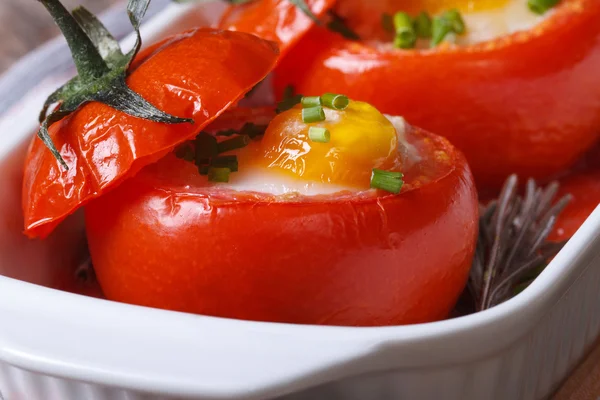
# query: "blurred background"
25,24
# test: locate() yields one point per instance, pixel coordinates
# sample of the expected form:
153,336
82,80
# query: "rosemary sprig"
101,67
512,243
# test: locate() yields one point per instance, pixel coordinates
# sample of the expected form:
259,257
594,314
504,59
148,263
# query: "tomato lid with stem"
282,21
123,112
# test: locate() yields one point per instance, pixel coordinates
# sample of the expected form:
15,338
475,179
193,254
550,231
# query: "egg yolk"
435,6
361,138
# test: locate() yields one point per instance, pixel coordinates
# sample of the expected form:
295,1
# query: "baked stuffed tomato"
296,234
516,91
327,212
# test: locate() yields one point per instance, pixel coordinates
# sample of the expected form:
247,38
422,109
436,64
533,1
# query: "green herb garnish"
216,174
387,180
185,152
206,146
335,101
406,37
449,22
313,114
541,6
311,101
457,23
204,150
253,131
422,24
317,134
234,143
289,100
387,22
230,162
440,28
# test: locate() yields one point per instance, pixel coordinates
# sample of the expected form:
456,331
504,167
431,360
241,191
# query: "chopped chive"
216,174
226,132
313,114
422,25
400,43
406,37
287,104
311,101
541,6
230,162
234,143
457,24
288,92
223,159
387,22
335,101
449,22
203,169
202,161
206,145
440,28
387,180
185,152
252,130
317,134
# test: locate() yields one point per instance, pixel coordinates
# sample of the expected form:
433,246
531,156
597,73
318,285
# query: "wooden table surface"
25,24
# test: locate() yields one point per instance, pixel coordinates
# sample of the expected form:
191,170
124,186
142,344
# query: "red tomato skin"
585,189
196,74
276,20
528,103
583,184
351,261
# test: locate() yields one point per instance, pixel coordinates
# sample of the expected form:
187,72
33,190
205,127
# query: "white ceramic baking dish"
60,346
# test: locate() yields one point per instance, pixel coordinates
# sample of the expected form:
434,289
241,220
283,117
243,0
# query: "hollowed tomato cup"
365,258
527,103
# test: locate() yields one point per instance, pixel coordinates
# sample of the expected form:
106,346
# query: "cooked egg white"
484,19
499,18
287,162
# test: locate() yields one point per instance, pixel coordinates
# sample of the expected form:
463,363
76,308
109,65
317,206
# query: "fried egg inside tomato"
489,19
285,160
484,19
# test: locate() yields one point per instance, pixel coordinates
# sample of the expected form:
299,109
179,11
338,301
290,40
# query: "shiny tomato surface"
196,74
528,103
277,20
583,184
585,189
165,239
